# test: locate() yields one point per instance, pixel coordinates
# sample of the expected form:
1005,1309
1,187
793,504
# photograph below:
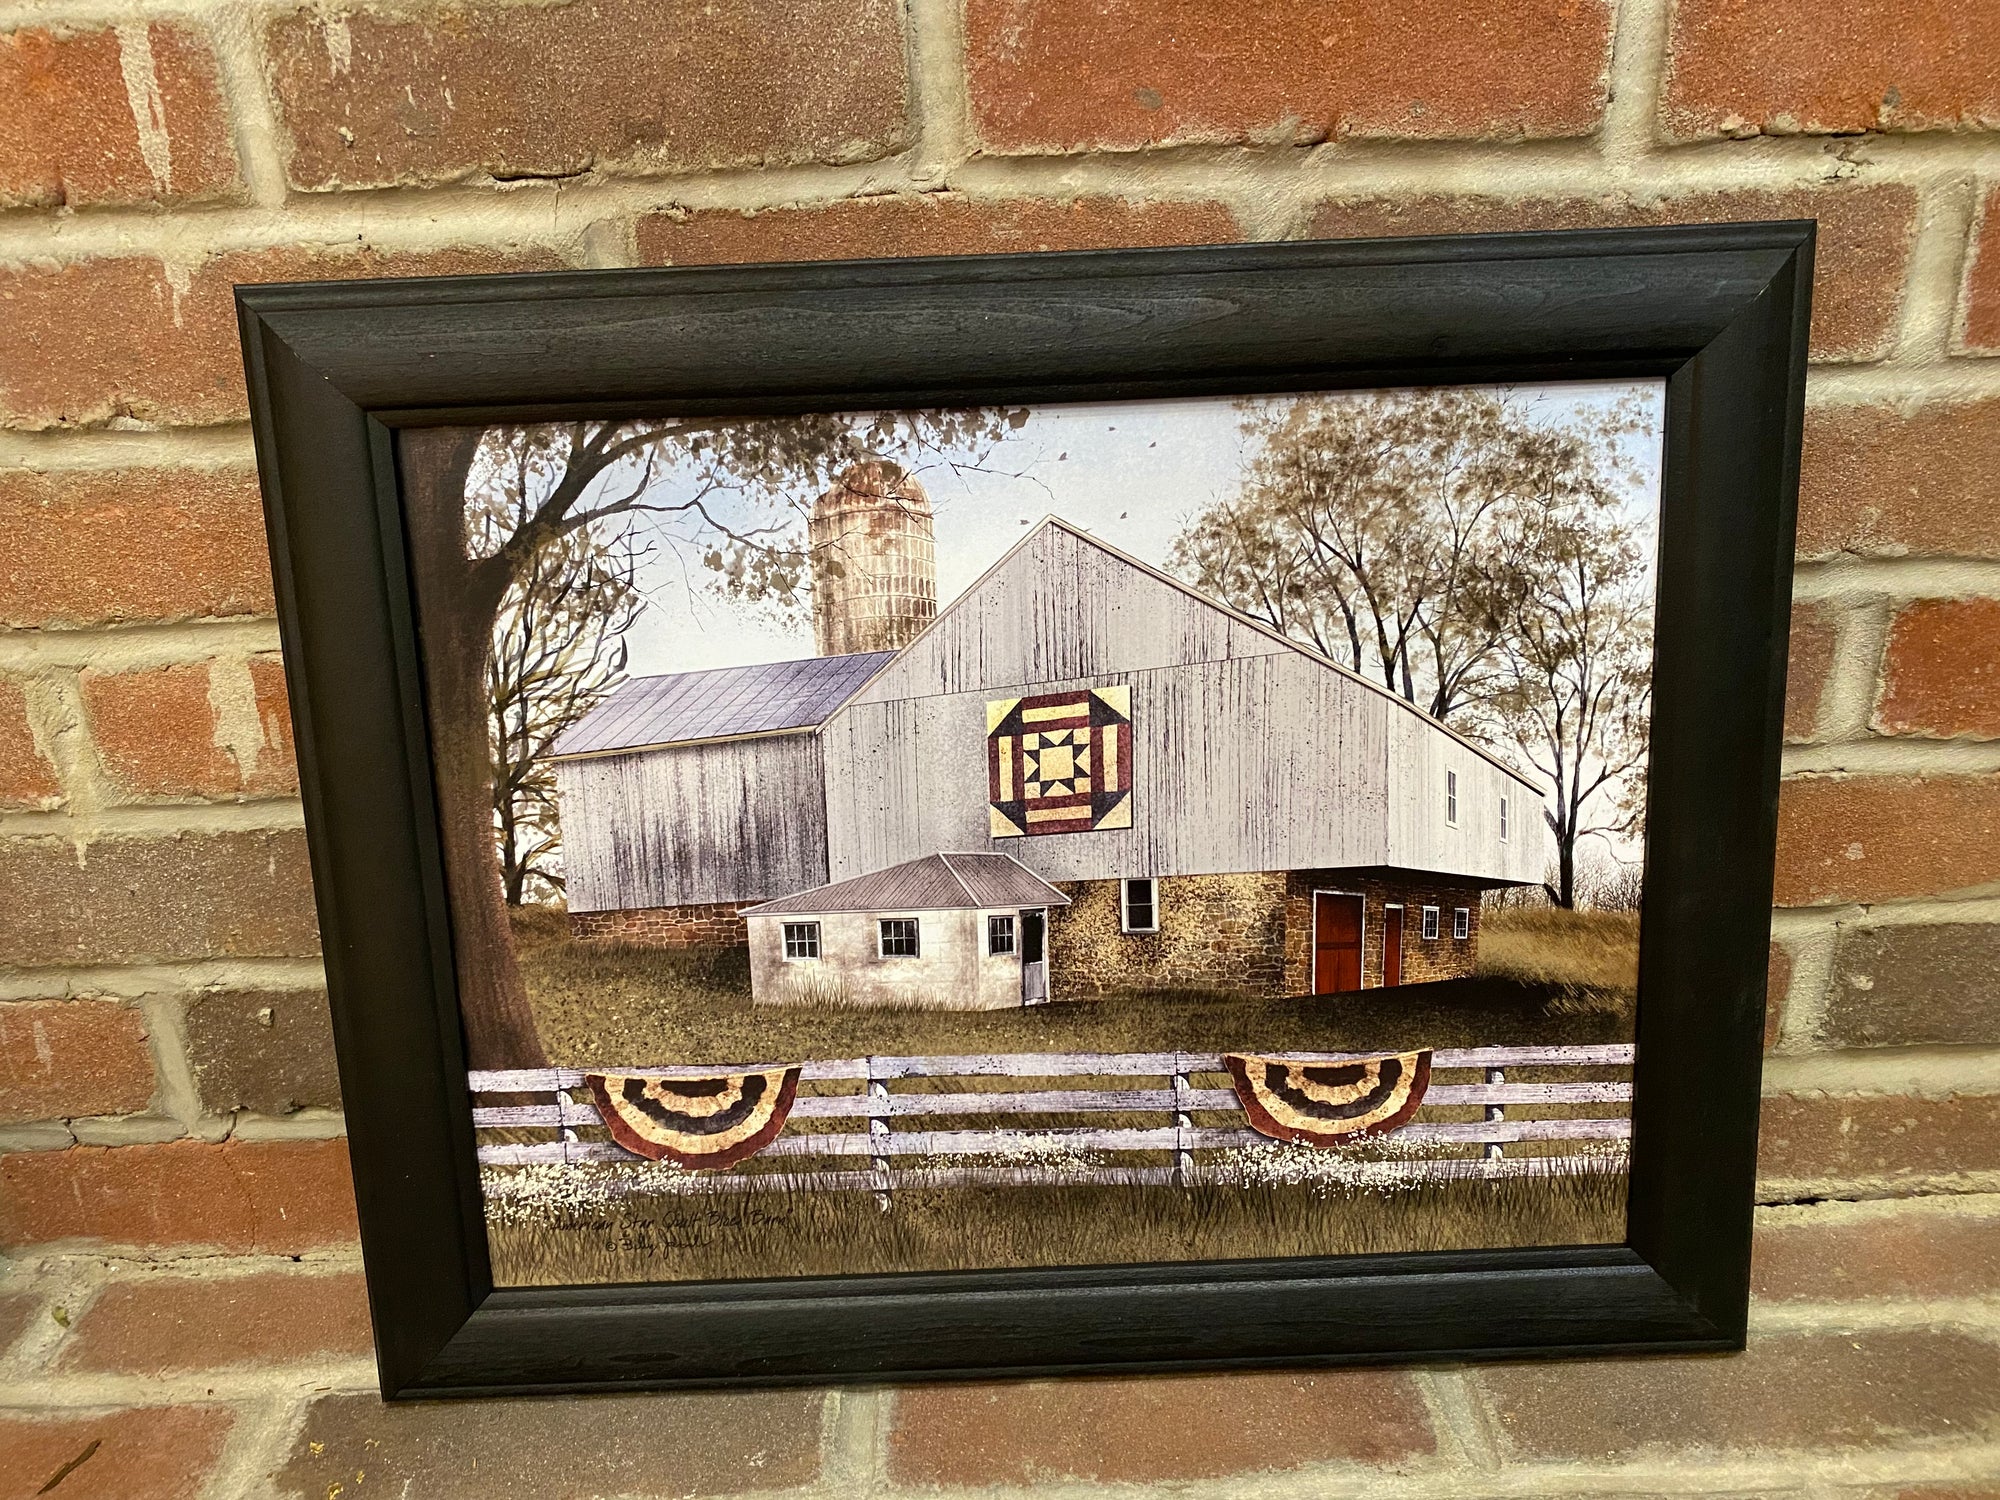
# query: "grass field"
1554,983
662,1237
1546,978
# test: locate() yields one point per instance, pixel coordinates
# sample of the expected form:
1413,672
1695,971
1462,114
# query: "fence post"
1183,1122
1495,1112
566,1131
878,1137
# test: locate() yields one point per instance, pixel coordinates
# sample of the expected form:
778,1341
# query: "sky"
1133,473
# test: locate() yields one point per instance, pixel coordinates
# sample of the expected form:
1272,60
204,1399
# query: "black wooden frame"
335,369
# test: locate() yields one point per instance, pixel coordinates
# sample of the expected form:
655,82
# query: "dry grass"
667,1237
599,1005
1588,960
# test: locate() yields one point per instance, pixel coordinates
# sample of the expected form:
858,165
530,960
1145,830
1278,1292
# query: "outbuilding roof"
721,703
937,882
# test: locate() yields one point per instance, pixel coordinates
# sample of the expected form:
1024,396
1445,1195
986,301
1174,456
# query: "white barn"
1256,816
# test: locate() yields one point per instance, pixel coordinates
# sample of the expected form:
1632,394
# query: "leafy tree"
1469,554
585,477
1388,530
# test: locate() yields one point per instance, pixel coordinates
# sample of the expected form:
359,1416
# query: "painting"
1044,835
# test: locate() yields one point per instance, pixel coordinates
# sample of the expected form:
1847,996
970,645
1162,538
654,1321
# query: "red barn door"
1392,945
1336,943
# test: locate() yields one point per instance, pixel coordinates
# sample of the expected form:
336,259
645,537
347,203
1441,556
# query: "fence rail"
877,1106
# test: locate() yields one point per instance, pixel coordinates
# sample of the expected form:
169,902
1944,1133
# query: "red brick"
1884,481
269,1051
210,729
221,895
1745,67
27,775
1814,628
180,1323
1915,1249
66,553
65,1058
69,133
1777,993
1941,670
1823,1392
1981,330
926,224
1913,984
1865,237
1810,1142
1067,74
547,91
1187,1427
17,1311
1880,838
92,340
261,1197
144,1453
708,1443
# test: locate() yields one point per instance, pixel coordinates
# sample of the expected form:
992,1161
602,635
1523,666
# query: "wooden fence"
1164,1085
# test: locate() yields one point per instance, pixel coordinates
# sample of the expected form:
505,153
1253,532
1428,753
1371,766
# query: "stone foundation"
1224,933
716,925
1443,957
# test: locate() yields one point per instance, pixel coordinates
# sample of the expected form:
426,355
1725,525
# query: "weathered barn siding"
1061,608
1247,754
741,820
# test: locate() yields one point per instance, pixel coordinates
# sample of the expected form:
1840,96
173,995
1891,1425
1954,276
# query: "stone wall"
715,925
1224,933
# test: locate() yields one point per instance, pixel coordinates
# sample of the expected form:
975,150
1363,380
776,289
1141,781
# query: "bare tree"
558,650
586,475
1579,664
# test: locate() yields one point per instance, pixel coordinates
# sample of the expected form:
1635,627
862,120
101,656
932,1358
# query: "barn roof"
645,713
937,882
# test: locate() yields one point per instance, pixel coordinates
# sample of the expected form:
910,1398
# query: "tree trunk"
458,600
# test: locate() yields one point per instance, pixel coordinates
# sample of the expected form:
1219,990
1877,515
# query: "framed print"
1054,813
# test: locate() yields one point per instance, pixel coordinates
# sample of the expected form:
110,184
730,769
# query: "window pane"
1461,922
999,934
802,940
1430,922
1141,914
899,937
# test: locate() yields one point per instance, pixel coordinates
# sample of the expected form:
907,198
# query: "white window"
1503,820
1451,798
802,940
899,937
1430,924
1461,922
999,934
1138,907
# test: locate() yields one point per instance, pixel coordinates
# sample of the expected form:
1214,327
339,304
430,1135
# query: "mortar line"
179,1096
234,31
556,214
1636,77
1809,994
137,980
1461,1417
1936,269
1854,677
1985,198
274,814
125,648
939,92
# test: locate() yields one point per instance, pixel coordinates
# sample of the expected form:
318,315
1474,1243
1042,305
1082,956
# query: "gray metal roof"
937,882
720,703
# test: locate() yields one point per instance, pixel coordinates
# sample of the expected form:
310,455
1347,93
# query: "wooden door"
1392,945
1336,943
1034,957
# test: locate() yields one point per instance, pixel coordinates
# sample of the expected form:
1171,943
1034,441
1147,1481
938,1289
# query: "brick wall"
172,1180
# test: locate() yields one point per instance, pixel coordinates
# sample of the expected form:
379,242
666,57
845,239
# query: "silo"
874,561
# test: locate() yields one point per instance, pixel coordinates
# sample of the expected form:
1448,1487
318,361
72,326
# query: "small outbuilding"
944,932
